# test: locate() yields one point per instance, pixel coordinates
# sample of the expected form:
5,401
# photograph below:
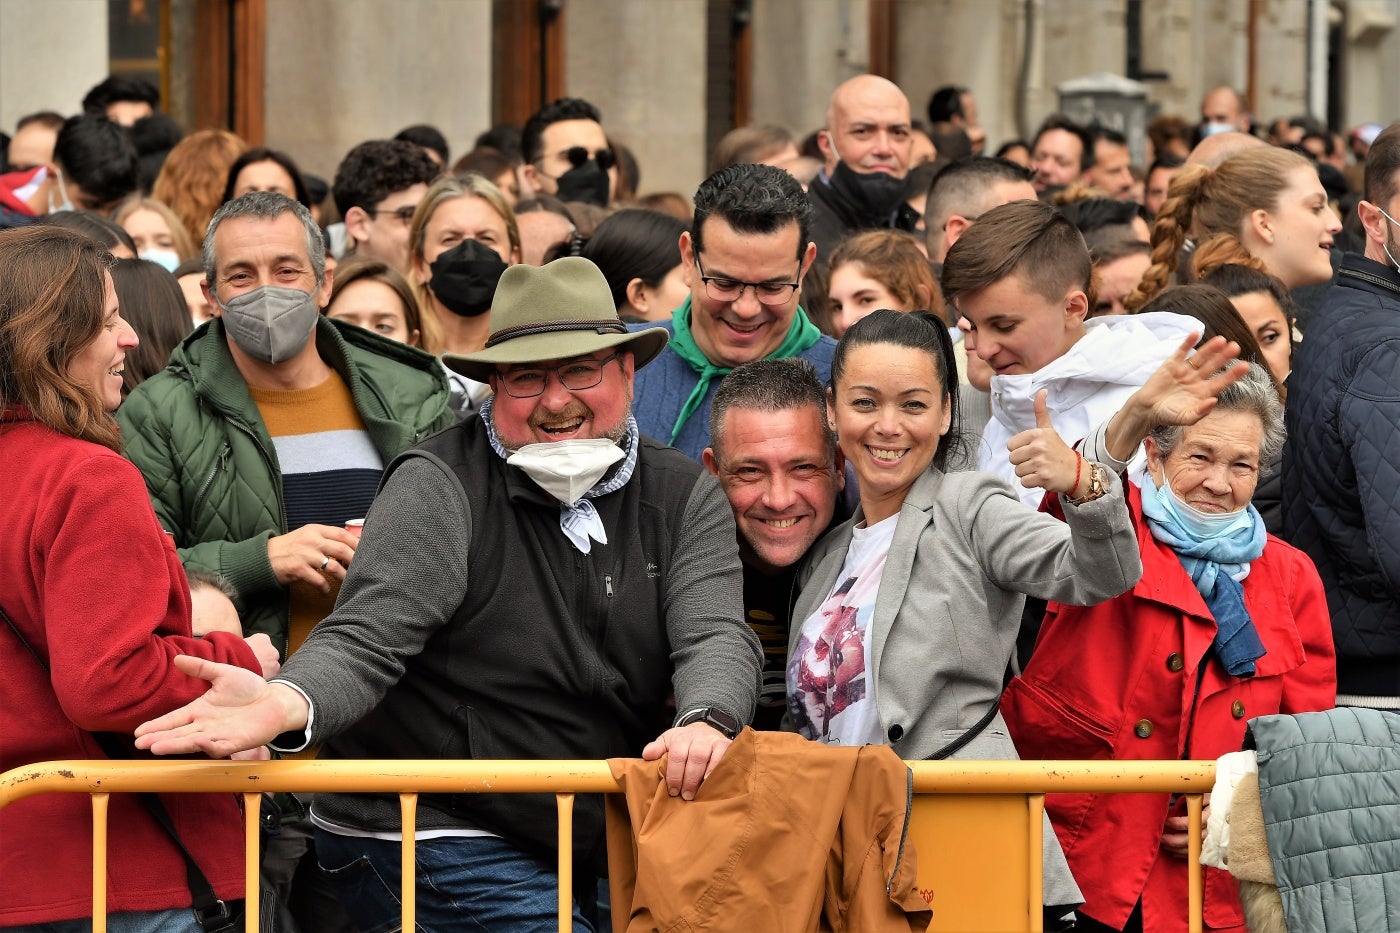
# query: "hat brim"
555,345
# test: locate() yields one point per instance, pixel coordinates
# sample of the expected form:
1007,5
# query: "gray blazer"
965,550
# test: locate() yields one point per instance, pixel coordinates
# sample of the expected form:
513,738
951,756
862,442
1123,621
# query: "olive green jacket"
210,464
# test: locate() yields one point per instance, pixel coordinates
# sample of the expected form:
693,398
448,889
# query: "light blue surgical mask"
1210,129
167,259
1201,526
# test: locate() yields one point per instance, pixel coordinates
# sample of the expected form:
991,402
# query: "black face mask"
588,183
876,194
464,278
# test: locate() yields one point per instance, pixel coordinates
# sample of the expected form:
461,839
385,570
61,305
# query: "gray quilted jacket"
210,465
1332,816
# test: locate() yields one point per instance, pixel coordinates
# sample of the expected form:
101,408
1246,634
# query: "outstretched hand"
239,711
1041,457
1181,391
1184,389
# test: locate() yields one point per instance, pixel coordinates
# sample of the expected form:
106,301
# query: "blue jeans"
464,883
176,920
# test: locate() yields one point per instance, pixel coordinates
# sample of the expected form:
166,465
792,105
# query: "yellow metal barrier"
971,821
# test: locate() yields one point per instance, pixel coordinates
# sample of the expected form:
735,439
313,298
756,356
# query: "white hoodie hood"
1085,387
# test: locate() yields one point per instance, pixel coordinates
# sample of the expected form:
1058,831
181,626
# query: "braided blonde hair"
1214,205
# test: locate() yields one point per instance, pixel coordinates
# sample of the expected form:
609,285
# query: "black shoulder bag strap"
212,914
955,746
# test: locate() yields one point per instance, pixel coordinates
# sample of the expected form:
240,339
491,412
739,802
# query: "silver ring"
325,562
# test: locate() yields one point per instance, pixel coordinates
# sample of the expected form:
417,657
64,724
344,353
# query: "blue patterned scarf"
1216,557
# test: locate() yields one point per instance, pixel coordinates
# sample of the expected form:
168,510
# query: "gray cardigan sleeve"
716,655
1091,556
418,530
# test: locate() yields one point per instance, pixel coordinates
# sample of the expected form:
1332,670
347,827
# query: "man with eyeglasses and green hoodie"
744,259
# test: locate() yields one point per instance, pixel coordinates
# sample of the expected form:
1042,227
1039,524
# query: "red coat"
1117,681
96,588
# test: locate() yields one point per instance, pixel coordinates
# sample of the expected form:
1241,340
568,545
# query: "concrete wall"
51,53
1372,76
343,71
972,43
642,63
1198,44
802,49
1281,81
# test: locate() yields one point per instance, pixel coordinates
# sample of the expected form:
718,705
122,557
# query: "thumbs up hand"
1042,459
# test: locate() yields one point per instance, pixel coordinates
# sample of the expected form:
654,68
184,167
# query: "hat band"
545,327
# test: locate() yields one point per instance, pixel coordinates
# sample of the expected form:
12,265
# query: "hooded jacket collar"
1115,350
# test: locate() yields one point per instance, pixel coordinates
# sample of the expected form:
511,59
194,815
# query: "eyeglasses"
578,155
575,375
767,293
403,215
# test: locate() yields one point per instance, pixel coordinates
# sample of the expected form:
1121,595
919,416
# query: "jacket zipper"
1369,277
904,832
276,474
213,474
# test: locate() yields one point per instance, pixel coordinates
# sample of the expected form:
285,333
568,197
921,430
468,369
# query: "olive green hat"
551,312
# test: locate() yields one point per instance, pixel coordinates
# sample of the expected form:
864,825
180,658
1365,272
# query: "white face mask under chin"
66,205
567,469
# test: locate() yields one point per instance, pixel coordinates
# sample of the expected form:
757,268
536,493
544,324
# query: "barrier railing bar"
549,777
565,804
1195,895
1036,894
408,878
252,860
564,779
99,862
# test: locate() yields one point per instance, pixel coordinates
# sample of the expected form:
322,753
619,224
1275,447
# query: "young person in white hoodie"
1021,281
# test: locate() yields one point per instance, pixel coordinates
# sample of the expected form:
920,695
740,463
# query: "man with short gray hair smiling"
776,457
533,583
269,431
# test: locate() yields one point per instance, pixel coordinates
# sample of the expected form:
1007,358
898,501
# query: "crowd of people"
873,437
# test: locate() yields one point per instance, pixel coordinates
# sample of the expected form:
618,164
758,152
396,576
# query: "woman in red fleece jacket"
93,585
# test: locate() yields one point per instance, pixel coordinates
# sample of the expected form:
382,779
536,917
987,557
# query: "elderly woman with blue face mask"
1227,623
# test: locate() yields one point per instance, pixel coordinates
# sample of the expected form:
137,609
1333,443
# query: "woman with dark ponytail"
908,613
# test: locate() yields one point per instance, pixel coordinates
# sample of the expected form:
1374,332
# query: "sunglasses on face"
578,155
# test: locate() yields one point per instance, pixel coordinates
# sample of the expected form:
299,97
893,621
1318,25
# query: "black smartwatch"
715,717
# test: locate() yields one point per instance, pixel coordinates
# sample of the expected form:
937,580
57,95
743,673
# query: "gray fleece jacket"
469,627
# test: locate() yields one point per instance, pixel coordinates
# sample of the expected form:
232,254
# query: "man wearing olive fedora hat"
533,582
